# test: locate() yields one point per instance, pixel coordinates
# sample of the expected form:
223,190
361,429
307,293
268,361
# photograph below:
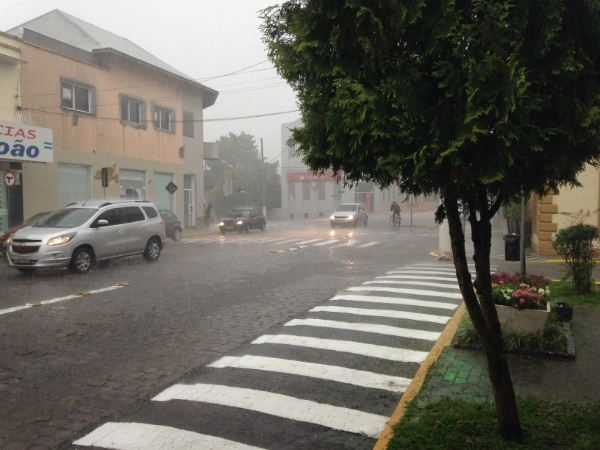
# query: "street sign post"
10,179
171,188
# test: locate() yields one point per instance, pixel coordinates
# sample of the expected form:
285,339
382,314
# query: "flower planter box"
522,321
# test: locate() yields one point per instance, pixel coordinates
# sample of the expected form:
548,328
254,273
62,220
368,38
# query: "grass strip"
456,424
562,291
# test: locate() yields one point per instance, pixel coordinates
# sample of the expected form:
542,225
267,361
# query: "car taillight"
163,223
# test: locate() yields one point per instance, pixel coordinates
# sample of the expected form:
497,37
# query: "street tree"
236,178
475,100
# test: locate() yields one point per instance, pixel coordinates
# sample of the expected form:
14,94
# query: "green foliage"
240,166
512,210
456,424
479,97
576,245
553,339
562,291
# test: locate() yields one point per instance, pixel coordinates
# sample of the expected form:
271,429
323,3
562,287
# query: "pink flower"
522,301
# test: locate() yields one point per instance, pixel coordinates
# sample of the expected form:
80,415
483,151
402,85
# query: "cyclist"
396,215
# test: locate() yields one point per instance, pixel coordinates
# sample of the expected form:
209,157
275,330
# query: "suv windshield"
239,213
66,218
347,208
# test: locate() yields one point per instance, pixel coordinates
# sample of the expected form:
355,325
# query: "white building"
305,195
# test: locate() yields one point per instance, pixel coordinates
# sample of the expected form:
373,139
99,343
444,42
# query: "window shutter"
74,184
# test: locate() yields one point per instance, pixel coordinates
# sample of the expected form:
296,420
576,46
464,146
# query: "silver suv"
85,233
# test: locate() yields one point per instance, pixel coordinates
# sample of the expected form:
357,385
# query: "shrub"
576,245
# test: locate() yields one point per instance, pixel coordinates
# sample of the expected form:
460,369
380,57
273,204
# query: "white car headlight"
239,222
332,217
221,224
350,217
60,240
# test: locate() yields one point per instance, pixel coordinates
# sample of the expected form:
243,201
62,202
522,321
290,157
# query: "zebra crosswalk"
285,243
328,379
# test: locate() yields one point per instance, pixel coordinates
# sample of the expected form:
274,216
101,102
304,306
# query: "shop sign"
21,142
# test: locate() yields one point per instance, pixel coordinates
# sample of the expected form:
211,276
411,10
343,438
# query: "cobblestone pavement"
65,366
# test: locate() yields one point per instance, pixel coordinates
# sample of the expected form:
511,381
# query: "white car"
349,214
82,234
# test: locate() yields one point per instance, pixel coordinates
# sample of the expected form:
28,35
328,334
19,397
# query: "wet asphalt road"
70,366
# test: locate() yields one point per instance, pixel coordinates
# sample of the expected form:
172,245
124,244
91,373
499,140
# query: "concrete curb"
417,382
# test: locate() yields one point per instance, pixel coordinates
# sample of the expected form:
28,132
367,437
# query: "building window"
77,97
292,152
321,190
133,110
132,184
306,190
292,190
164,119
188,124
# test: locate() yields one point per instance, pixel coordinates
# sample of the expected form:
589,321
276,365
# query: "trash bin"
512,247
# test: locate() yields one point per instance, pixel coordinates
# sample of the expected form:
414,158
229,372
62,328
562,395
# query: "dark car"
173,226
243,219
8,233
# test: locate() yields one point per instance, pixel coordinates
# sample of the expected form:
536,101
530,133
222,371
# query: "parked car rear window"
150,212
67,218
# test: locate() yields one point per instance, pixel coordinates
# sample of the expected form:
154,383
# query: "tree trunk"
483,311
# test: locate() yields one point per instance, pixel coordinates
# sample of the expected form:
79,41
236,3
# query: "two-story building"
111,105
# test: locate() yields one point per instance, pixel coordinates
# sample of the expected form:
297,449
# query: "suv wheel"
177,234
262,226
247,229
82,260
152,251
366,220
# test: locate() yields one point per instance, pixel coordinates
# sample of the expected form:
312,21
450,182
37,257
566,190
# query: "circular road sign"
10,179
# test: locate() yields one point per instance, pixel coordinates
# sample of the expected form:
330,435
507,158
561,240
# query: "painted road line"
366,328
356,348
345,244
416,277
405,291
393,301
369,244
136,436
382,313
415,283
321,371
279,405
14,309
329,242
59,299
309,241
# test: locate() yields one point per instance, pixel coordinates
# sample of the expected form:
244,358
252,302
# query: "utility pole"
264,180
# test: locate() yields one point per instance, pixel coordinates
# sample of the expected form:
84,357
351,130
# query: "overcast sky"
201,38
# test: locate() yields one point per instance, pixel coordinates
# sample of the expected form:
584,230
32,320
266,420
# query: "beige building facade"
110,105
562,209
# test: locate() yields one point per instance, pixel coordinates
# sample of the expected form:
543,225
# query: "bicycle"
395,220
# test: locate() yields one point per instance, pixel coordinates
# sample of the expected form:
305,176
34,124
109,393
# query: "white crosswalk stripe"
279,405
405,291
415,277
138,436
414,283
366,328
369,244
383,313
329,242
394,301
373,351
325,372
